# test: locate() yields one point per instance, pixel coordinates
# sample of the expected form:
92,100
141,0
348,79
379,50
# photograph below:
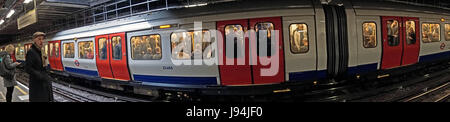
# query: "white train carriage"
317,42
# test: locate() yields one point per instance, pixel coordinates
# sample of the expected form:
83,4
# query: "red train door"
411,45
111,57
58,58
118,55
270,66
50,55
103,58
392,42
240,61
234,66
54,56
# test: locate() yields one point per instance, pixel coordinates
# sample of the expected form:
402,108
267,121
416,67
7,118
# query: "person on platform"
39,81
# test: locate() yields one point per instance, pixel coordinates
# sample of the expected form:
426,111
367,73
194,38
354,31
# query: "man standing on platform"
40,84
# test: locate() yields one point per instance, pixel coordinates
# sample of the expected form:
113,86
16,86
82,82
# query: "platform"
20,93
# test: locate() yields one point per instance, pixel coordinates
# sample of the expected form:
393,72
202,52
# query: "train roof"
147,21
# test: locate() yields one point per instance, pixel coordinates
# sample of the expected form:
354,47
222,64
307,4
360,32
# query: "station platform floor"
20,93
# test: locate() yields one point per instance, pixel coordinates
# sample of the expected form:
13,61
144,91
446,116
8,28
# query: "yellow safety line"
23,92
3,95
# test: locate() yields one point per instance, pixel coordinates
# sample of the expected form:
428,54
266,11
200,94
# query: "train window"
52,53
86,50
26,49
447,32
181,45
369,35
410,32
19,53
234,33
202,42
431,32
191,45
117,47
57,49
45,48
264,35
69,50
102,48
298,35
147,47
393,32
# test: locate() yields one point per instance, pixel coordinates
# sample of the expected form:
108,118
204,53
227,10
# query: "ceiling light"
10,13
27,1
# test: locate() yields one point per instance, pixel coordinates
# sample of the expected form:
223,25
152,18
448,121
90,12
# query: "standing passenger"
9,80
40,84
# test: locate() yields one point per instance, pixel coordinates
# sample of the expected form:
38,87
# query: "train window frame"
406,32
236,56
79,50
307,36
57,53
393,43
51,50
100,49
421,31
446,32
73,50
113,56
160,46
273,50
192,57
376,33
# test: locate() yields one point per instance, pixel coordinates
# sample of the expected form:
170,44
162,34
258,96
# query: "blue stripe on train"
177,80
81,71
365,68
313,75
433,57
308,75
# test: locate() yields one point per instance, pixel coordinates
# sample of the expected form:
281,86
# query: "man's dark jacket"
39,82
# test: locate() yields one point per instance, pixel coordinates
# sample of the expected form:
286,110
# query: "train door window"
69,50
234,33
298,36
447,32
117,47
86,50
393,33
369,35
57,49
264,36
21,53
52,53
46,49
410,32
102,48
201,45
146,47
181,45
431,32
17,52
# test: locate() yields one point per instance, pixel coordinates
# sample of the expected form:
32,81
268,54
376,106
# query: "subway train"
313,41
